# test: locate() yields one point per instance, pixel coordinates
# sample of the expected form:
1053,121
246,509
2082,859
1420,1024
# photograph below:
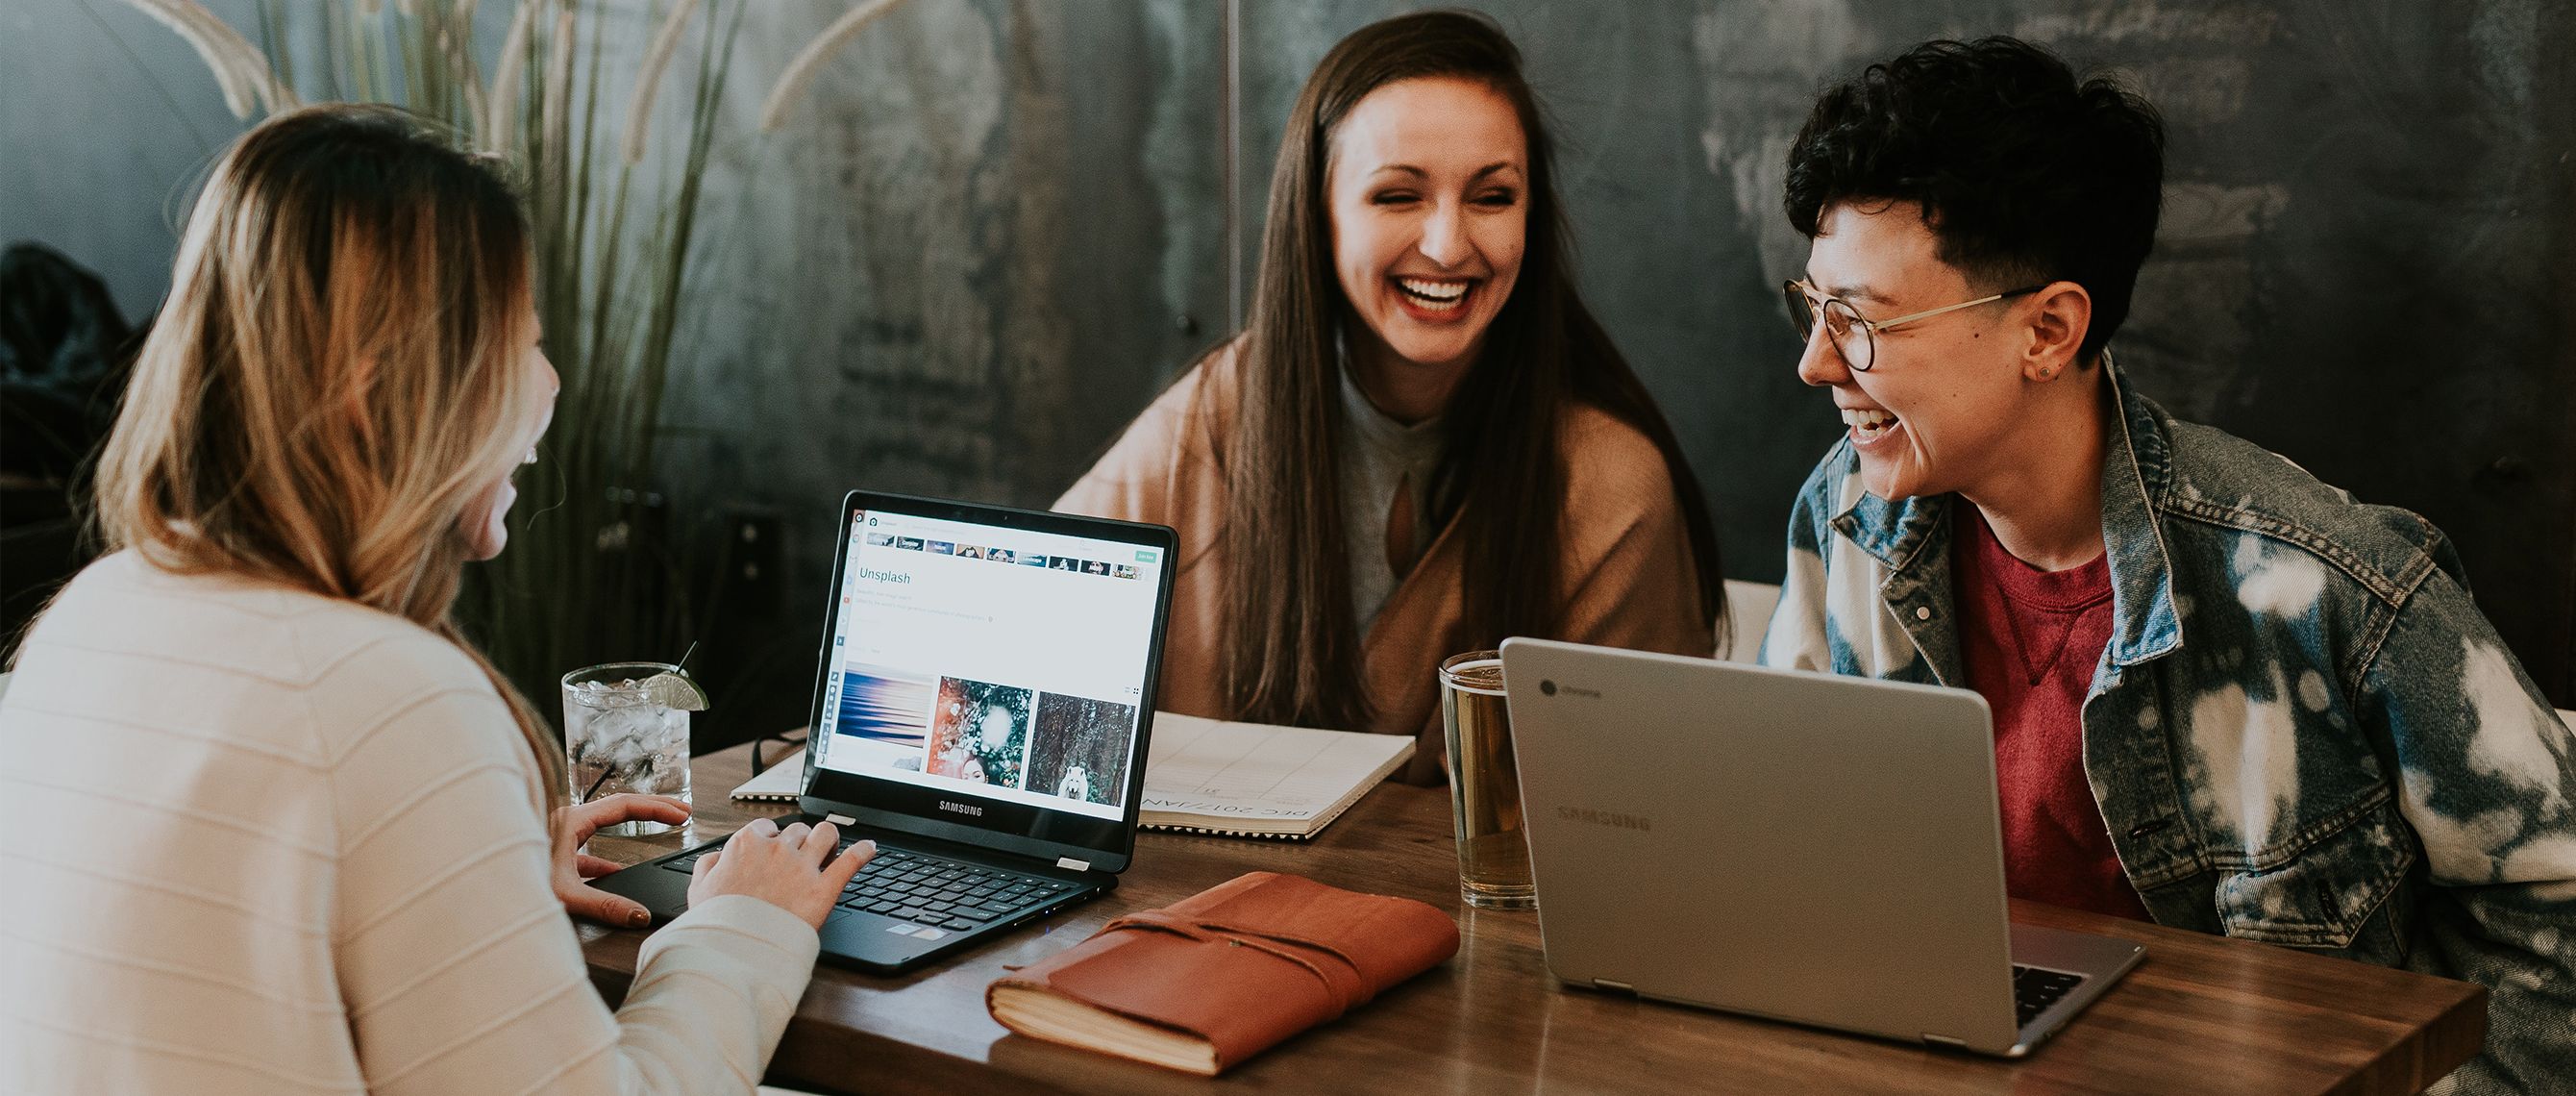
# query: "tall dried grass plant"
594,572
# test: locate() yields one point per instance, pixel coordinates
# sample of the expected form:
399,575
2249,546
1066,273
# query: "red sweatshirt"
2030,639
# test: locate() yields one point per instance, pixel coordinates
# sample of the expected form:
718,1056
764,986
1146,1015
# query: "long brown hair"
1293,644
337,374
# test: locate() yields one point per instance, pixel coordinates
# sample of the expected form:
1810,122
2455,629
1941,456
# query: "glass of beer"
1484,785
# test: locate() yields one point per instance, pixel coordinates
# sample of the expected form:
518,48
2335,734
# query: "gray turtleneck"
1382,455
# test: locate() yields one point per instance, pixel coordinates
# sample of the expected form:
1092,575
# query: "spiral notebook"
1210,776
1259,780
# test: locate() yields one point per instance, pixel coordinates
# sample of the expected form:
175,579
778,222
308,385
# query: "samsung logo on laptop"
961,808
1612,819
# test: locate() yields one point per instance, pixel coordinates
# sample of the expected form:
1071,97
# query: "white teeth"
1868,425
1434,296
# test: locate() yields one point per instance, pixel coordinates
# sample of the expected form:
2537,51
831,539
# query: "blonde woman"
278,828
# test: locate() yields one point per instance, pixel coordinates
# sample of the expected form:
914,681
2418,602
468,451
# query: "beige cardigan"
1628,579
268,842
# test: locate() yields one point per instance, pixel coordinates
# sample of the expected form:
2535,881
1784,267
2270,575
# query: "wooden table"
2203,1014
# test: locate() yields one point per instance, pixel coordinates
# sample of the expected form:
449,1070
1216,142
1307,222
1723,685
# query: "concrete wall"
2367,260
998,228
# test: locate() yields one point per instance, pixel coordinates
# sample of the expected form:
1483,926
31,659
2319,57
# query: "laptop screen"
995,665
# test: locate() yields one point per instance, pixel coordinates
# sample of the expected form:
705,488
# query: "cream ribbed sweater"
261,841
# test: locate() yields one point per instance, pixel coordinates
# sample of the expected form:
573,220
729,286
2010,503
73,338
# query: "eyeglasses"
1807,304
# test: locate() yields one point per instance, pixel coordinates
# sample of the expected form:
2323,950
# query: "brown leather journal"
1215,978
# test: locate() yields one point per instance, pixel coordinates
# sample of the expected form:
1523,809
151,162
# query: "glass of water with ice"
626,729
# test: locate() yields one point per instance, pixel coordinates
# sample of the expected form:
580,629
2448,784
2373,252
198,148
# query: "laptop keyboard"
930,890
2034,990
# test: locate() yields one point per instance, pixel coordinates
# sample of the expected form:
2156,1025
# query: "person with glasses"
2227,697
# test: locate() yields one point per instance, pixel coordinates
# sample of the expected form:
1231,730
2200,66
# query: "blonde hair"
336,376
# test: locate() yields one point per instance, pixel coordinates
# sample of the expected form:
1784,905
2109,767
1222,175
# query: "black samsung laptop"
981,712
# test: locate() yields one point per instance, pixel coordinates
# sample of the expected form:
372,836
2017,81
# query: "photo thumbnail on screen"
884,716
980,731
1079,750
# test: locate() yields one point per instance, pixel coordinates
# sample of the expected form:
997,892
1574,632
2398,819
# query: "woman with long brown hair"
1421,442
280,828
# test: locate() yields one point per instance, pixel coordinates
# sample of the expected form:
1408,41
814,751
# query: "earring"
2047,372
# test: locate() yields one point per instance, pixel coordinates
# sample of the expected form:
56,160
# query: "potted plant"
596,570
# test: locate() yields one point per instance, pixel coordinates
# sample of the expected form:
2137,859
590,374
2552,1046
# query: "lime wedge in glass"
675,691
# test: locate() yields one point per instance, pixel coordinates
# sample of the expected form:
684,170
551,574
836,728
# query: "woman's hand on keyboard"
793,869
575,824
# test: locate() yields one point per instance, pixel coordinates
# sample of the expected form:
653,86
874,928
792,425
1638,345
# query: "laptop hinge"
1616,987
1070,864
1945,1041
840,820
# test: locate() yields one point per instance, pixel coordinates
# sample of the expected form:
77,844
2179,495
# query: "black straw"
605,773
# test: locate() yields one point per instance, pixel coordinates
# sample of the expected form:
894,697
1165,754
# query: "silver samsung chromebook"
1804,847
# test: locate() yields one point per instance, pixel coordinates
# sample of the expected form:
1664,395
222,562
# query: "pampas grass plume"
800,72
639,110
238,67
553,121
497,130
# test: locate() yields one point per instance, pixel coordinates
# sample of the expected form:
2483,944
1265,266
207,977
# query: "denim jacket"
2302,730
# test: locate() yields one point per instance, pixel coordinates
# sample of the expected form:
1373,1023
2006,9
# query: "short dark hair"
2024,174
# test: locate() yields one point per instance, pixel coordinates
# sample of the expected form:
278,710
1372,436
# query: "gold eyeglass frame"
1807,306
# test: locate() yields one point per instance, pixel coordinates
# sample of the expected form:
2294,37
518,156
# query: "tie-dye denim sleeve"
2488,781
1796,638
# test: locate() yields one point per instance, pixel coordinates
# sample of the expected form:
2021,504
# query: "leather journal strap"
1339,973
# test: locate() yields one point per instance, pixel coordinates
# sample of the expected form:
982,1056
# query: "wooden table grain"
2203,1014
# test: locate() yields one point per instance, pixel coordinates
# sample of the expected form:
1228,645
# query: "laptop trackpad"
870,938
2057,973
666,893
2102,957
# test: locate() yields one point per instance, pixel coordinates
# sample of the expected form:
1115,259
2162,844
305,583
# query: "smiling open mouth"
1433,296
1869,426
